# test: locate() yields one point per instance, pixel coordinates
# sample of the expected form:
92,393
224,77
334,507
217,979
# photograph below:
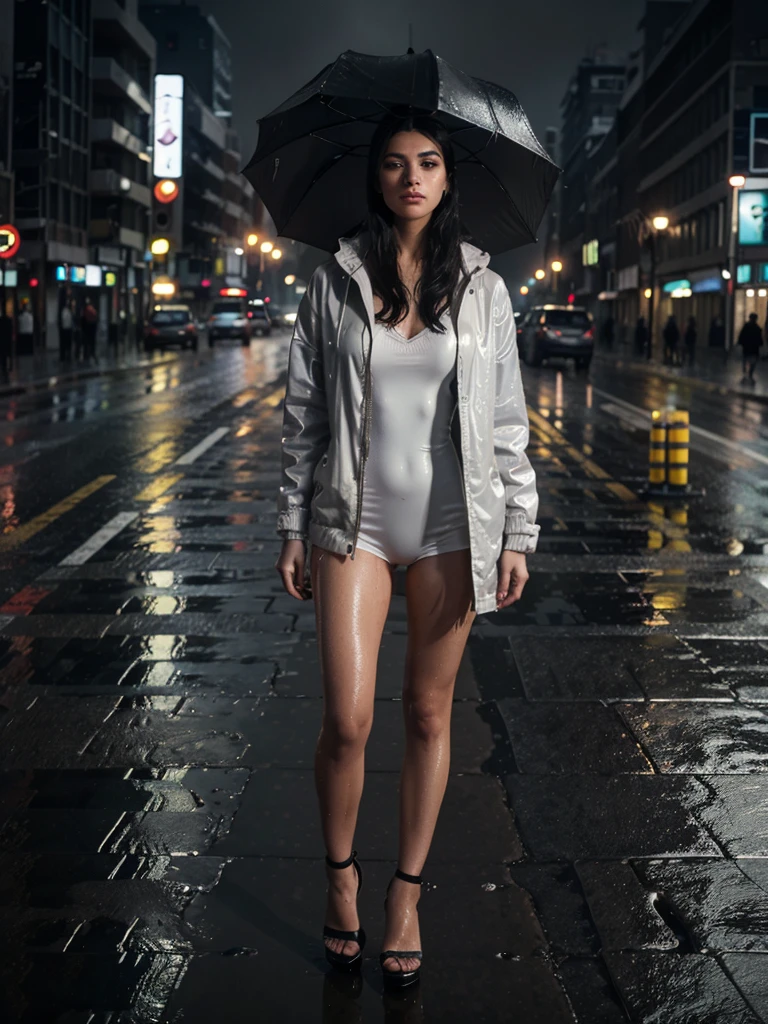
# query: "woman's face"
412,163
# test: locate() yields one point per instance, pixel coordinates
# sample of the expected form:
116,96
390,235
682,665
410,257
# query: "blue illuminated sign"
61,273
674,286
744,273
708,284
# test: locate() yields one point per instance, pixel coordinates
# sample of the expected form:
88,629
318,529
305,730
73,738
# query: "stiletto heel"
401,979
343,961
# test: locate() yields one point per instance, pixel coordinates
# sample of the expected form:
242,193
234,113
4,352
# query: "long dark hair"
441,266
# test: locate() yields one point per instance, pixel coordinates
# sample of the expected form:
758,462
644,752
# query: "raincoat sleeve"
510,434
306,427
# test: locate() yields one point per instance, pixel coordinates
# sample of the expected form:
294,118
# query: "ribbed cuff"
524,542
292,535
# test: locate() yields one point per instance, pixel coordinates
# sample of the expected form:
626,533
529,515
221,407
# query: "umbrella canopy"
310,161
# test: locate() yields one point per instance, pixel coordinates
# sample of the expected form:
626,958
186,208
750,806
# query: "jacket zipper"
364,448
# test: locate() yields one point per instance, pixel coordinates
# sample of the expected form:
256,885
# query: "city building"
51,107
122,76
588,111
7,261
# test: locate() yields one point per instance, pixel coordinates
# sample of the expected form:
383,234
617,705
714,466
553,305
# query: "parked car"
260,317
229,319
557,331
170,325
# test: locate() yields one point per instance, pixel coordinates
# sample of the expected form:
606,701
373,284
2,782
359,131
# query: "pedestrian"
671,334
751,340
641,336
89,322
609,330
690,341
66,325
6,342
717,333
25,330
400,274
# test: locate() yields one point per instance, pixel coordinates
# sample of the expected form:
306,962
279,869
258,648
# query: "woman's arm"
510,433
306,428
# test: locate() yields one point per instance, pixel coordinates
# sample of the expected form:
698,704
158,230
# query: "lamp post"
557,266
736,181
658,224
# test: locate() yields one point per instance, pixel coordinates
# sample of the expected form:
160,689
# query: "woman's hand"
290,565
513,575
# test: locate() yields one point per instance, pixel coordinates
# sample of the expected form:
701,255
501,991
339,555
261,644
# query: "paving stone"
609,817
621,908
749,973
590,992
736,813
68,725
688,737
577,669
279,818
37,985
719,908
61,831
677,989
549,738
560,906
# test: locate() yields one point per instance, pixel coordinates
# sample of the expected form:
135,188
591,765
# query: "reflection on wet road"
601,851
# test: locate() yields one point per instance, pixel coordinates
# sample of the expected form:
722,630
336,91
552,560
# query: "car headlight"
290,318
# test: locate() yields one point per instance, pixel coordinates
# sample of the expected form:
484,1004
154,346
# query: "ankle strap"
414,879
340,863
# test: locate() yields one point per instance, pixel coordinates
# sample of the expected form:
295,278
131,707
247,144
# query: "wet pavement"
602,853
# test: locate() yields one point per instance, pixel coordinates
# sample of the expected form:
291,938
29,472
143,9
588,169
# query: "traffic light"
167,212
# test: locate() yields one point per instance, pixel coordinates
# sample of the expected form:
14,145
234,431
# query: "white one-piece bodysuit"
413,502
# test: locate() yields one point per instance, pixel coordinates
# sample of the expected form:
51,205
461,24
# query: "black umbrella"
309,164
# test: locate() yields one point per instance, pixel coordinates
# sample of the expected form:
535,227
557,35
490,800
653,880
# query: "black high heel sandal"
343,961
401,979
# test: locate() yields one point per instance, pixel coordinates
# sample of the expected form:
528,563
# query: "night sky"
531,48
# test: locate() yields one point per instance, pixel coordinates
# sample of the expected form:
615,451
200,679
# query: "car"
229,319
170,325
553,330
260,317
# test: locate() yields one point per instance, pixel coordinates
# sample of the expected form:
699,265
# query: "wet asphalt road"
602,851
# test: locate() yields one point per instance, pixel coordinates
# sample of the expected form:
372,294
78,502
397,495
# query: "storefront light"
762,292
750,293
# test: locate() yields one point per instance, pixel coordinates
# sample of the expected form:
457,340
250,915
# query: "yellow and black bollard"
657,456
668,454
678,443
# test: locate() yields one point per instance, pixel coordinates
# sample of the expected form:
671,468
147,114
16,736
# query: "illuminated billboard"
758,143
168,120
753,218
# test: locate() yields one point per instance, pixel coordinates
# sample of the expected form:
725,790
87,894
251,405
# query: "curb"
53,379
645,368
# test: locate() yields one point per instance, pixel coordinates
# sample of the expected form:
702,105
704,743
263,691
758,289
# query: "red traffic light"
166,191
205,283
33,282
571,297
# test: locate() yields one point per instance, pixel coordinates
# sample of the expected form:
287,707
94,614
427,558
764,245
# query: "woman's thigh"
352,598
439,601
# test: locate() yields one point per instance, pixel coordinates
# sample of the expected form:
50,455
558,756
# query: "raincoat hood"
351,251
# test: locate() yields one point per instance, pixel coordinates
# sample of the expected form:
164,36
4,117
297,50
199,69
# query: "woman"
404,328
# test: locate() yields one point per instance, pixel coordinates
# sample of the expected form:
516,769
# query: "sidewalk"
713,369
33,373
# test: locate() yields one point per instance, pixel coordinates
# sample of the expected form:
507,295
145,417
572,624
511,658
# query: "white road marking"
103,536
208,442
637,412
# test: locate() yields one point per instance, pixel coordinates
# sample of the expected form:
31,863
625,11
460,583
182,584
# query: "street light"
540,275
252,239
239,251
524,290
290,279
658,224
557,266
736,181
276,254
267,247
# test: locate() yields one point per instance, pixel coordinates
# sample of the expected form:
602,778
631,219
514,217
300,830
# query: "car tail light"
589,334
552,332
153,332
250,314
190,328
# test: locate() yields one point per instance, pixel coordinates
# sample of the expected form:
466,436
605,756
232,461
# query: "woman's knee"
345,735
428,719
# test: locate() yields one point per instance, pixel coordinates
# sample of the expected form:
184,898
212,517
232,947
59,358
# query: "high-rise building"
51,105
122,79
191,44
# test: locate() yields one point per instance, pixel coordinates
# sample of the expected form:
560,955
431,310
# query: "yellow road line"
23,533
158,486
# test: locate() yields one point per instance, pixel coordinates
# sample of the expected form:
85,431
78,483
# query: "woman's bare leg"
352,599
439,599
